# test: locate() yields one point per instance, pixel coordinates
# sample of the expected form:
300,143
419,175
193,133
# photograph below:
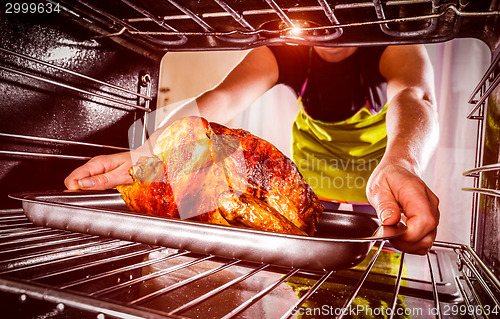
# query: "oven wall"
458,67
34,108
488,234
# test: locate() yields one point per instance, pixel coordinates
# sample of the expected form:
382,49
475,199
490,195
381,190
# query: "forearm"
252,77
412,129
396,186
213,105
210,105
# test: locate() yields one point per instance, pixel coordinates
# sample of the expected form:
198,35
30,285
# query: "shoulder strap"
304,85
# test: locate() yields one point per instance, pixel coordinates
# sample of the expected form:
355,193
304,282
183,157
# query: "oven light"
295,31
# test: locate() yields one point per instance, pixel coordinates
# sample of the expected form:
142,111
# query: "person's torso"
334,91
339,135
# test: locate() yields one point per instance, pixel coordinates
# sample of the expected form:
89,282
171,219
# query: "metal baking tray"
343,239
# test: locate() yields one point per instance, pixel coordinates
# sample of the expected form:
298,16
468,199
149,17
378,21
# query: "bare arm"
252,77
412,114
396,186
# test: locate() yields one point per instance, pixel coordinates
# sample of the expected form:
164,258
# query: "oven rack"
104,91
96,276
488,83
58,141
108,96
309,22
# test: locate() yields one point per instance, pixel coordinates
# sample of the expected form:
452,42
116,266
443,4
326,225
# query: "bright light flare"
295,31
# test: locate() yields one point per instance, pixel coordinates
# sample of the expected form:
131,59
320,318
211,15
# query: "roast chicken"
205,171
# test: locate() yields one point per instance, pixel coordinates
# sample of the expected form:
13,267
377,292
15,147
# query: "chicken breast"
208,172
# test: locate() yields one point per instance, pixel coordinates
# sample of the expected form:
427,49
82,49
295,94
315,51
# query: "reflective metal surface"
343,238
59,84
57,273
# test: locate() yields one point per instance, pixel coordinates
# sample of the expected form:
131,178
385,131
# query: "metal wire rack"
203,25
104,277
82,84
488,83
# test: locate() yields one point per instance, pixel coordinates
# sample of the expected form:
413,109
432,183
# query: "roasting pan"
343,240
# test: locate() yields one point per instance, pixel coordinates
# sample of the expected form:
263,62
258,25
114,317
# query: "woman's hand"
394,189
101,172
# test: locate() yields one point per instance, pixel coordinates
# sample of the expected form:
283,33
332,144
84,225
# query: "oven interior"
82,80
